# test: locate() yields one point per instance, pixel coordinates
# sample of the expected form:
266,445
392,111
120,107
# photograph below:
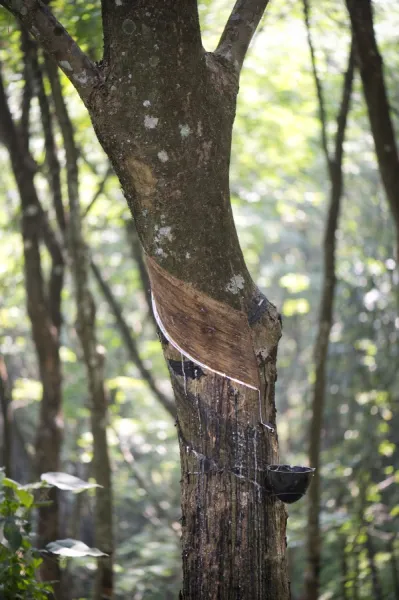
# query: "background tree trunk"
5,402
43,304
176,136
93,354
326,315
375,93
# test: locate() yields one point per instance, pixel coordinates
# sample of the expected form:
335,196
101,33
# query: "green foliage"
19,560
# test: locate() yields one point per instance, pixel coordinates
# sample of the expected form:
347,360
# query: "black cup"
288,483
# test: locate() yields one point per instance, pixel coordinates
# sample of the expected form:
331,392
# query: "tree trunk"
5,402
372,73
44,313
163,110
326,314
93,354
167,130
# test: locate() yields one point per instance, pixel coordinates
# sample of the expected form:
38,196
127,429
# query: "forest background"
280,189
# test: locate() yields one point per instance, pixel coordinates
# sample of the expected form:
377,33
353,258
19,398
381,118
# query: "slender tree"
163,110
5,405
334,161
44,310
93,353
372,73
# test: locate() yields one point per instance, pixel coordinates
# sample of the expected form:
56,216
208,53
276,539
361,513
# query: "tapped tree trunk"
163,110
170,146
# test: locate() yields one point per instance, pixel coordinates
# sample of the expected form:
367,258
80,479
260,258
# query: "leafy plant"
19,560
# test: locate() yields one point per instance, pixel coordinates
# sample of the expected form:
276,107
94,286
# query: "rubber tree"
163,109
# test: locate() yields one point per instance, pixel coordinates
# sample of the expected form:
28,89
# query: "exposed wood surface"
203,329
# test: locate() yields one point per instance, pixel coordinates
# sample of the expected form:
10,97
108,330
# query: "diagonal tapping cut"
203,329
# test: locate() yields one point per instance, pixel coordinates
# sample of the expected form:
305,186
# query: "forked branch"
239,30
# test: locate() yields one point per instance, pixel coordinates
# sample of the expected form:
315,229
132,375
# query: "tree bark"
375,93
176,138
165,120
326,314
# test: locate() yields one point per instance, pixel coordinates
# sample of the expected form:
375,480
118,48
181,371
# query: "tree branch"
35,225
38,19
98,192
344,108
53,164
336,174
319,86
27,47
372,73
239,30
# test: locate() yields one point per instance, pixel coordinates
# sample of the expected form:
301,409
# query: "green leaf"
25,497
72,548
10,483
12,534
64,481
